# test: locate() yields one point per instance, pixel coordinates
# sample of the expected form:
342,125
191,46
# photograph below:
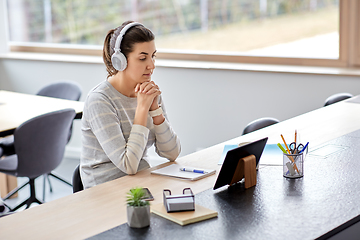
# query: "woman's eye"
154,56
142,59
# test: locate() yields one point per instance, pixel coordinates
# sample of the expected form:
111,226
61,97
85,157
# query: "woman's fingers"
153,90
137,87
147,86
147,99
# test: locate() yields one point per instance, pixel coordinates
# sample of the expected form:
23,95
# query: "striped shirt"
112,146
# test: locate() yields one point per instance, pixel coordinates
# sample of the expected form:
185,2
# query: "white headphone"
118,59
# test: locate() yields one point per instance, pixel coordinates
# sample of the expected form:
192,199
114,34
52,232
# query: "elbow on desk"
129,171
175,156
172,155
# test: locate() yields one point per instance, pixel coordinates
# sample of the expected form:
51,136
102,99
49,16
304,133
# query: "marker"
193,170
282,149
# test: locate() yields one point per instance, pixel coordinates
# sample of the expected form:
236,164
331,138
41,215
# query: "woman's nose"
151,64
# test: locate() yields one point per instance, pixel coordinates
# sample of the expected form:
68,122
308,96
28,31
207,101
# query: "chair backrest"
40,142
68,90
65,90
259,123
337,98
76,180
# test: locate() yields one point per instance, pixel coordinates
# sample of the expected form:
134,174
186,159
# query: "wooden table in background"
16,108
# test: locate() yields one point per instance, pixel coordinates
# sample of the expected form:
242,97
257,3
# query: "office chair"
40,145
7,145
337,98
76,180
68,90
259,123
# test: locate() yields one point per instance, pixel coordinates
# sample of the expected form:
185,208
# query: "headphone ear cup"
118,61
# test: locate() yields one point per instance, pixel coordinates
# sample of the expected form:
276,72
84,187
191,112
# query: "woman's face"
141,62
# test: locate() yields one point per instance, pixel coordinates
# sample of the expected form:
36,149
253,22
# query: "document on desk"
173,170
271,155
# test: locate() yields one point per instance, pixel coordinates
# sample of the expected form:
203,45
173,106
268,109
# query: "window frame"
349,47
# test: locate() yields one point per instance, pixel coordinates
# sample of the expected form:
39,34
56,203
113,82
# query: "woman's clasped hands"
147,94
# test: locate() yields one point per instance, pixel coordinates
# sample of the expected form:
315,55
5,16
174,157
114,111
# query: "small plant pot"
138,217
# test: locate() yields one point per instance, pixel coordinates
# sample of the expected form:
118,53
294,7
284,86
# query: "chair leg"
14,191
60,178
31,199
47,177
44,185
18,206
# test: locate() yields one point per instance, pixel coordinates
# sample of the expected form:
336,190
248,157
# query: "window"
305,32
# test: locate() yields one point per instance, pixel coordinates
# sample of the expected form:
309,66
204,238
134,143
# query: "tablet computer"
232,158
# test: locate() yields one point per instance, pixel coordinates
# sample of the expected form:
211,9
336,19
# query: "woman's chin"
146,79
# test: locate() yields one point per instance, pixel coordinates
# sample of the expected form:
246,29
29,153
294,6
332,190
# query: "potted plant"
138,210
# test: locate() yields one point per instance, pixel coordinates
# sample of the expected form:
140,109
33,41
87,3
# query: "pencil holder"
293,165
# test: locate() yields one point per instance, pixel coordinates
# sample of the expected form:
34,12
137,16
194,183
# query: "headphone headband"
118,59
122,33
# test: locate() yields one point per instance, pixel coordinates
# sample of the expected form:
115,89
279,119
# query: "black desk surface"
276,208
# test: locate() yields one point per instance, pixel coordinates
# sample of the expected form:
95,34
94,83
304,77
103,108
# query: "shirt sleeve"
167,143
105,124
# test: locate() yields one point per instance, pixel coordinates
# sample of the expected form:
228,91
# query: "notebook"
173,170
183,218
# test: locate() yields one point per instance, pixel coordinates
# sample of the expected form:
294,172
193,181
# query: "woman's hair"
136,34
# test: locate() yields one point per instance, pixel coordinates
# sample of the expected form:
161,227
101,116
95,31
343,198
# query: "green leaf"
134,197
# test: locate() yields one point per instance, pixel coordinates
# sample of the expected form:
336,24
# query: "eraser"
291,169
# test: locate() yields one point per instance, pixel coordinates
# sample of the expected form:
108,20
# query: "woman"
124,115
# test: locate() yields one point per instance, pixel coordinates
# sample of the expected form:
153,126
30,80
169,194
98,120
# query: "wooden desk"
103,207
16,108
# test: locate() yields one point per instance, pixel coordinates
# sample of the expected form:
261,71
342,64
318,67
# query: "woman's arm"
105,124
167,143
147,92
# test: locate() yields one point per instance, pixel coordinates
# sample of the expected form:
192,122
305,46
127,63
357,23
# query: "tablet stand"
246,168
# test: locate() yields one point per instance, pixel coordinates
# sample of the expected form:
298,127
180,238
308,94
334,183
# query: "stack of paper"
173,170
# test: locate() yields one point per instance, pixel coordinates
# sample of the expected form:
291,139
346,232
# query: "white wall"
205,107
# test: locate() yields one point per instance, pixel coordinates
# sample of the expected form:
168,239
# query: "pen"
291,158
193,170
304,147
284,151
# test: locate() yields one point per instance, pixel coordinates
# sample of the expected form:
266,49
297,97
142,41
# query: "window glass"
280,28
